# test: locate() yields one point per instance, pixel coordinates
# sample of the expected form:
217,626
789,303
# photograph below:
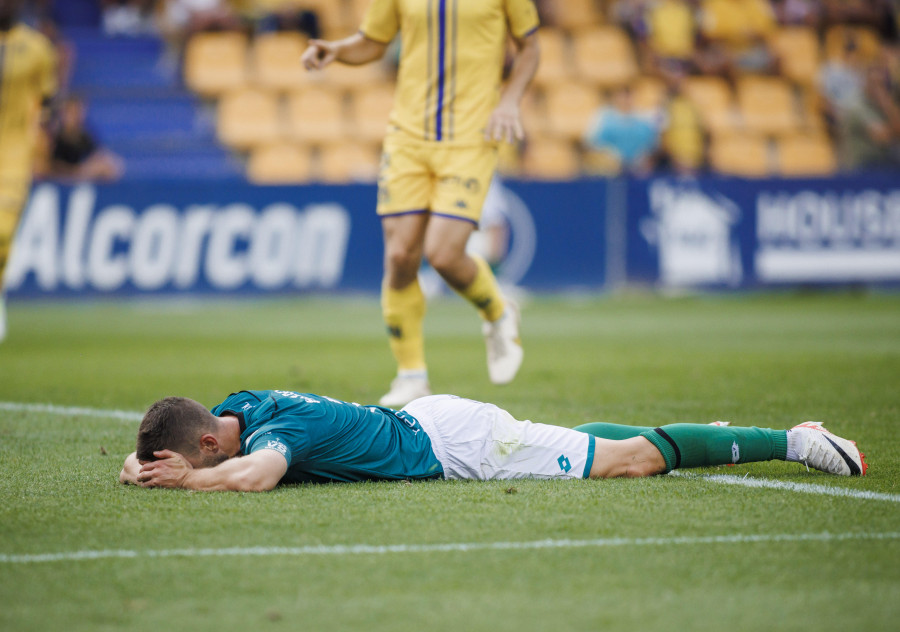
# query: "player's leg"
404,194
674,446
464,176
13,193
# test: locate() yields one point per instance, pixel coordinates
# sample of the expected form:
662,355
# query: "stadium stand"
743,116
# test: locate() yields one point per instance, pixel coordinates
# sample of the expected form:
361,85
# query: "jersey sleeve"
271,441
381,21
522,17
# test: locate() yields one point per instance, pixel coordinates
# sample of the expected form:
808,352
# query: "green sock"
699,445
612,431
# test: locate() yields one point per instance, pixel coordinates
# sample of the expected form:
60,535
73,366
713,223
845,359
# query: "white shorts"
474,440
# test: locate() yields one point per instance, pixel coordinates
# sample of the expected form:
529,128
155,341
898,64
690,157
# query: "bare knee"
630,458
401,265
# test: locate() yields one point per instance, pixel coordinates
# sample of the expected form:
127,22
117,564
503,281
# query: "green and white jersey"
328,440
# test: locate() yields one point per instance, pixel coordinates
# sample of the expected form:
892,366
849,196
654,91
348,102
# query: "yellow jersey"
451,61
27,77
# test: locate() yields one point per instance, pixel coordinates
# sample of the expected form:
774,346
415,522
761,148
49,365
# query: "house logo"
693,234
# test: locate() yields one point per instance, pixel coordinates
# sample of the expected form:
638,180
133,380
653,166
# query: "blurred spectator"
284,15
798,12
682,140
127,17
670,38
629,136
736,32
880,15
75,153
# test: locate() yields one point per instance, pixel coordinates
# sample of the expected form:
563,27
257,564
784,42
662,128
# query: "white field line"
70,411
460,547
803,488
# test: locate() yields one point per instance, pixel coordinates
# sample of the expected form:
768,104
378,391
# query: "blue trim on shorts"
448,215
590,457
419,211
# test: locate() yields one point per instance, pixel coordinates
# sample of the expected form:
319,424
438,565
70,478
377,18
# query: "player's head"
181,425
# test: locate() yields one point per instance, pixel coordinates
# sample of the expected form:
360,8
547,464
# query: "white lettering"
271,248
226,269
107,264
153,247
78,217
321,246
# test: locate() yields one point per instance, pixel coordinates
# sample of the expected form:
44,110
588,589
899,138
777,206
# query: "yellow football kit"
27,77
452,51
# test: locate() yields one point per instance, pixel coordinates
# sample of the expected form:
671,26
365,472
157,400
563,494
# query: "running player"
27,81
287,437
450,112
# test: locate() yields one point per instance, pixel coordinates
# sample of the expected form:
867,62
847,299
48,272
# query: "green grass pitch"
667,553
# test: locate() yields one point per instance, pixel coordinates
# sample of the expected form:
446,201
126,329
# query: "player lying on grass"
286,437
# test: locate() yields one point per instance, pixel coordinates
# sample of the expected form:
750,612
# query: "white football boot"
405,388
822,450
504,347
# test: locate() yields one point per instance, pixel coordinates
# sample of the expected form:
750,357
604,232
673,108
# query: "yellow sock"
404,312
484,293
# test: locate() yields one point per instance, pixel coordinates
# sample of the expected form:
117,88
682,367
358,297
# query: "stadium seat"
797,49
805,155
767,105
279,163
534,117
316,115
556,59
215,63
865,42
247,117
577,14
349,77
276,60
569,109
371,107
550,159
604,55
348,162
739,154
713,100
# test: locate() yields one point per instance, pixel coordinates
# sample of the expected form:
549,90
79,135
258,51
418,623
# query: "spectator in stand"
75,153
682,147
285,15
127,17
858,106
631,137
669,47
798,12
741,28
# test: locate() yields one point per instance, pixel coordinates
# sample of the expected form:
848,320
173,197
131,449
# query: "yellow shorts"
421,176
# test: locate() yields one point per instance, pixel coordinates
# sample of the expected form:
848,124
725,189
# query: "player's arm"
506,122
354,50
256,472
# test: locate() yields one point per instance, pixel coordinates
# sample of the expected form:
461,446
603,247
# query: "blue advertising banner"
724,232
212,238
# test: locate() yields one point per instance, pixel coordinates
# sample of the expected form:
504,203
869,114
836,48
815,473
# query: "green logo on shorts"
564,464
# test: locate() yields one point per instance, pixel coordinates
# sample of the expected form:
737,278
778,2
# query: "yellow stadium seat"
276,60
577,14
570,108
712,98
550,159
215,63
605,56
556,59
534,117
797,49
279,163
316,115
343,76
348,162
739,154
767,105
371,108
865,42
248,117
805,155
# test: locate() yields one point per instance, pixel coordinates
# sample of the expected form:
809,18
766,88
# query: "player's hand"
318,54
170,470
505,123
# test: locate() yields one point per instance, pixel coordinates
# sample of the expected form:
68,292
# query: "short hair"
173,423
